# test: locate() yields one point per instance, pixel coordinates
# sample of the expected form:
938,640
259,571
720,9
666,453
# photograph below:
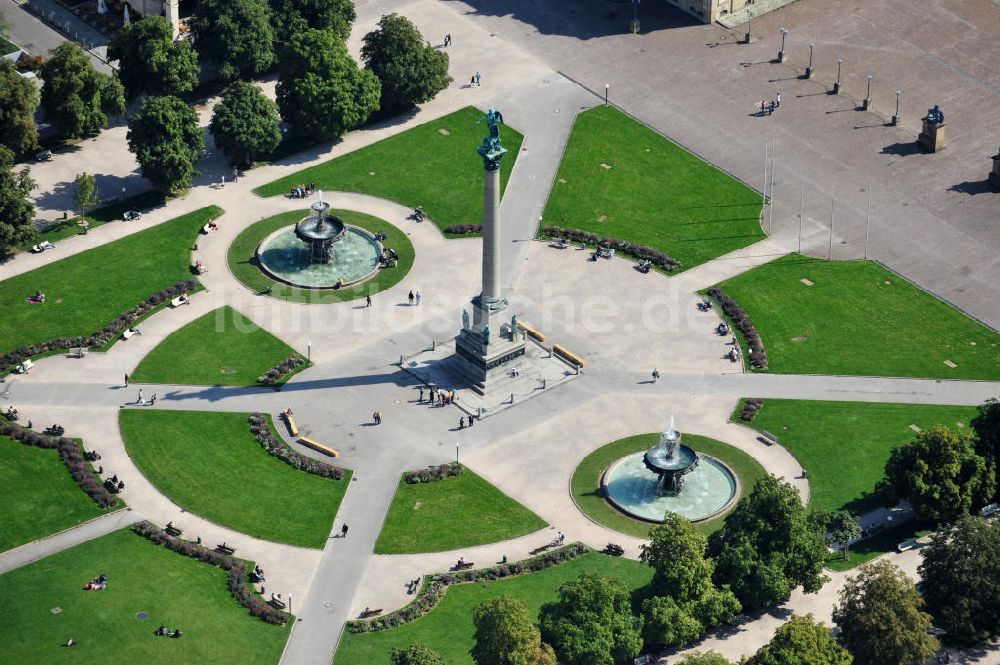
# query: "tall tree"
706,658
321,90
294,16
410,70
592,622
235,35
986,425
961,580
768,545
881,618
506,635
245,123
85,193
844,527
18,101
151,61
940,473
167,142
17,212
801,641
415,654
76,98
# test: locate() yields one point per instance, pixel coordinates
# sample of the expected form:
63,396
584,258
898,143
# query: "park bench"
222,548
43,156
991,510
768,438
182,299
906,545
464,565
539,550
317,446
78,352
24,367
172,530
290,421
568,355
365,613
131,332
533,332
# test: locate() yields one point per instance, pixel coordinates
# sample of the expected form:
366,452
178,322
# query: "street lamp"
867,101
309,351
836,86
635,17
781,53
809,68
895,117
748,37
456,453
289,604
606,86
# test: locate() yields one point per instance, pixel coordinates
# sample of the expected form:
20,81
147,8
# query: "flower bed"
12,359
281,371
434,587
461,229
434,473
236,568
739,317
750,409
654,256
71,454
261,431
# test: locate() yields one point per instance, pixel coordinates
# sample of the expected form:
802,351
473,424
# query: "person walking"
479,80
410,297
763,106
471,421
656,375
343,531
126,379
236,173
418,297
152,400
777,101
139,400
461,422
368,300
222,183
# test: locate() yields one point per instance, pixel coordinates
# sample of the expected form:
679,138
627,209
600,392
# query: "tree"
986,425
592,622
151,61
165,137
415,654
706,658
235,35
76,98
410,70
801,641
85,193
505,635
295,16
18,101
667,623
844,528
961,580
245,123
881,618
768,545
17,212
320,88
940,474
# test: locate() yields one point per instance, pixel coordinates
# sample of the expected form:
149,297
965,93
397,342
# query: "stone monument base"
932,137
994,177
486,367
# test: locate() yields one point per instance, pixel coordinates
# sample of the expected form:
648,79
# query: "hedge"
460,229
434,473
750,409
261,431
278,373
742,320
654,256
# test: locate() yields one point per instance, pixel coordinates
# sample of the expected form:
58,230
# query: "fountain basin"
283,256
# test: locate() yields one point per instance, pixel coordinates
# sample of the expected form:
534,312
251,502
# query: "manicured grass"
448,628
433,166
86,291
655,193
242,262
221,348
113,212
210,465
877,545
586,482
844,445
460,511
6,47
176,591
859,318
44,499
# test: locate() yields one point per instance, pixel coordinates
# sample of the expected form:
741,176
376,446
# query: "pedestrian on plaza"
471,421
418,297
777,101
479,80
410,297
447,40
770,107
343,531
763,105
473,81
152,400
126,379
420,400
656,375
236,173
222,183
461,422
368,300
139,400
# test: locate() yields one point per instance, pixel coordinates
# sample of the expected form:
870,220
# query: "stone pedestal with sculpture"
994,176
932,135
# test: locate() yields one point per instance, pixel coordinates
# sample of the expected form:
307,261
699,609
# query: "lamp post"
456,453
606,86
809,68
836,86
781,53
895,116
309,351
289,604
635,17
747,37
867,101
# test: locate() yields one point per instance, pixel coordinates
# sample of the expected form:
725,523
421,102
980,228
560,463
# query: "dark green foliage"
987,428
18,101
592,622
410,70
415,654
707,658
844,528
76,98
505,635
235,35
165,137
768,546
801,641
667,623
245,123
320,88
961,580
940,474
150,61
294,16
17,212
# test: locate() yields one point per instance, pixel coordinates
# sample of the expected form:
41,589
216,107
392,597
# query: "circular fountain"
670,477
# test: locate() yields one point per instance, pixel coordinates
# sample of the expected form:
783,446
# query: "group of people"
437,396
163,631
36,299
377,417
767,107
302,191
99,583
257,576
461,422
11,413
389,257
412,586
413,298
476,80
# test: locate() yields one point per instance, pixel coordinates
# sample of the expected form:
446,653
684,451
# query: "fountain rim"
347,228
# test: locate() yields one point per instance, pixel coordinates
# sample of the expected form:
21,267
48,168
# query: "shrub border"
750,408
282,371
462,229
636,250
433,474
260,428
742,320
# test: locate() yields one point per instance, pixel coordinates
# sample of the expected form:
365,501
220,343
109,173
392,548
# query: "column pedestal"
994,177
932,137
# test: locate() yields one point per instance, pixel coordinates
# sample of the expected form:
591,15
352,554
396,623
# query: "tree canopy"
167,141
415,654
961,580
17,212
986,425
18,101
85,192
844,527
410,70
592,622
801,641
76,98
245,123
321,90
149,60
940,473
506,635
295,16
704,658
235,35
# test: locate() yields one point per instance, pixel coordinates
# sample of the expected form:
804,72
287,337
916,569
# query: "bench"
568,355
532,332
79,352
43,156
290,421
25,366
365,613
539,550
768,438
222,548
182,299
129,333
465,565
906,545
317,446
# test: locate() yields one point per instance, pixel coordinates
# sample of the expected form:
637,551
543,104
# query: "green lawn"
586,482
859,318
434,166
242,262
460,511
844,445
621,179
221,348
44,499
113,212
6,47
86,291
877,545
210,465
448,628
174,590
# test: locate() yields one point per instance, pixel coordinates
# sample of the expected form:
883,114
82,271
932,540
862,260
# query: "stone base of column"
932,137
487,366
994,177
